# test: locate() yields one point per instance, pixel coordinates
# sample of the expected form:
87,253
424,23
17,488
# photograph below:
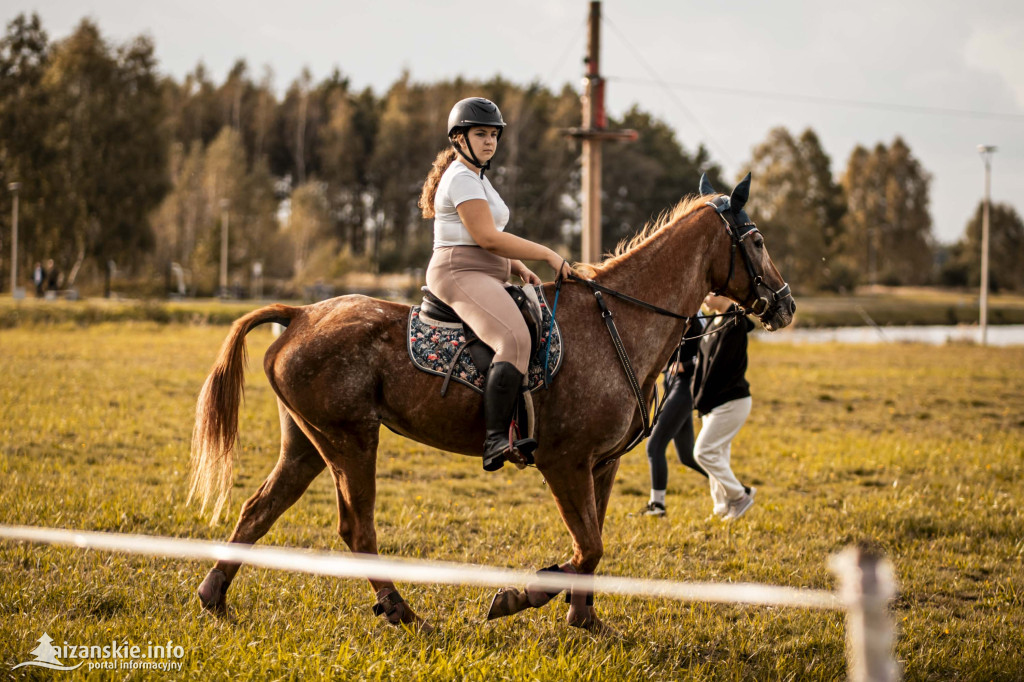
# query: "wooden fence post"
866,586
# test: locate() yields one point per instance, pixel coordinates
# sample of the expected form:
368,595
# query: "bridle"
765,300
761,306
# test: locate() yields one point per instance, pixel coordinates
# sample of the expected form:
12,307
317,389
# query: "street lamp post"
225,204
14,187
986,151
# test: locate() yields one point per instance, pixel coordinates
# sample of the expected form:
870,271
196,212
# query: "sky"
945,76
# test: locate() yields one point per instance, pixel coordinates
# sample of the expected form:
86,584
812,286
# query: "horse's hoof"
596,627
414,623
213,593
507,601
591,623
395,611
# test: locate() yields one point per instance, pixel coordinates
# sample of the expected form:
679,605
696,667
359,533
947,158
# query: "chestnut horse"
341,369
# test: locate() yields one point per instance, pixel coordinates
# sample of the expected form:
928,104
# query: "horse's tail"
213,437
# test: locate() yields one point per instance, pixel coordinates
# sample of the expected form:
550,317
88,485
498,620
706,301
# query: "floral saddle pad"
440,347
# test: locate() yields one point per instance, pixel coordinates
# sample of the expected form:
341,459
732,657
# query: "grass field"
882,306
915,451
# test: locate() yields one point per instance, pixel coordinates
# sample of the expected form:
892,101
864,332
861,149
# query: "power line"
570,46
817,99
668,90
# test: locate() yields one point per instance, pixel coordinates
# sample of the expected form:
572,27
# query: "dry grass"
917,451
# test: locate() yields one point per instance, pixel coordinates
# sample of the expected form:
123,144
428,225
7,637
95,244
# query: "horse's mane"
686,205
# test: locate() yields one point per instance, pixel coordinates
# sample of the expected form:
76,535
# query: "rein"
738,233
600,288
620,349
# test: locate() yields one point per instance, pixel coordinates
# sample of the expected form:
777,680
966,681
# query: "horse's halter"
765,300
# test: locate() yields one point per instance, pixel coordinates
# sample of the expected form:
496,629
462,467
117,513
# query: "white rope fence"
866,583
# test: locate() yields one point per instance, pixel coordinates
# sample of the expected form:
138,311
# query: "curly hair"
441,163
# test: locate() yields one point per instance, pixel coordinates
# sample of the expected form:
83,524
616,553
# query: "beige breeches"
472,281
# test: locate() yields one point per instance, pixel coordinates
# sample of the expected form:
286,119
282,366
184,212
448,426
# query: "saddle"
525,299
441,343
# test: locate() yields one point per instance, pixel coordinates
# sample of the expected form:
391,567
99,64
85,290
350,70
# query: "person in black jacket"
721,395
675,422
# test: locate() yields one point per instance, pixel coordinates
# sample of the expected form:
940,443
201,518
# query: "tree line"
125,171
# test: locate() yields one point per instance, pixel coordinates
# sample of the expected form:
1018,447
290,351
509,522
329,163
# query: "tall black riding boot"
500,395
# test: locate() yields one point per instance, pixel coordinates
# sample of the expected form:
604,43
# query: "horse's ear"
740,194
705,185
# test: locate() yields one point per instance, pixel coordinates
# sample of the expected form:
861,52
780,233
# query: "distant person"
52,276
38,278
721,395
675,422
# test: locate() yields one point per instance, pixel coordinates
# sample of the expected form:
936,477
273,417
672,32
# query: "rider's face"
484,142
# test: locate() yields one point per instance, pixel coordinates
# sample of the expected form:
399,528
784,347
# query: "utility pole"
593,132
225,204
14,187
986,151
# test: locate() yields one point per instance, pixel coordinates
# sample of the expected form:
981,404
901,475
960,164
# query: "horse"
341,369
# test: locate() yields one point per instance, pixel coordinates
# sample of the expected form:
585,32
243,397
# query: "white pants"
712,450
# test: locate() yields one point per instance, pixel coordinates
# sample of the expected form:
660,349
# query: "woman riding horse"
341,370
474,256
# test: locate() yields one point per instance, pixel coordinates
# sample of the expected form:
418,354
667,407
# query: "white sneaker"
654,509
741,506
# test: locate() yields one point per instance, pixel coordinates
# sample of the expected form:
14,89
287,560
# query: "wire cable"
670,92
569,47
818,99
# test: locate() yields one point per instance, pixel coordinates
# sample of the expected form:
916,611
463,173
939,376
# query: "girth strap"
624,359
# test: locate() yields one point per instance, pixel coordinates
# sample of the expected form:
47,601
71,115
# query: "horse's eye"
759,242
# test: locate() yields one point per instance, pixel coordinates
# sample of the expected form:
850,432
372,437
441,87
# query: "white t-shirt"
459,184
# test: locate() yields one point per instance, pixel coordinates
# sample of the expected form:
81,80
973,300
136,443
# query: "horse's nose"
791,305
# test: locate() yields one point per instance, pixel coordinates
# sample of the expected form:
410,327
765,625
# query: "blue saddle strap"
551,329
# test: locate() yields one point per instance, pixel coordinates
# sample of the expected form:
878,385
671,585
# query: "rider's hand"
565,270
528,276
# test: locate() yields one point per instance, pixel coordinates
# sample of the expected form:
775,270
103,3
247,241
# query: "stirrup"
525,447
518,452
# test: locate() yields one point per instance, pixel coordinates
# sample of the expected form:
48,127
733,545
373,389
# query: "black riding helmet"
473,111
